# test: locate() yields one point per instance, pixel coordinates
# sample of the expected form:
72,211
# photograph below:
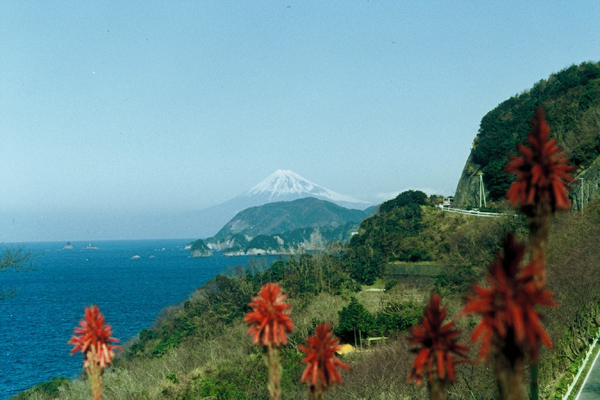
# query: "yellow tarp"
345,348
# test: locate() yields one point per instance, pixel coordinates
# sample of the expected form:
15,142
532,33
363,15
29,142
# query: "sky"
168,107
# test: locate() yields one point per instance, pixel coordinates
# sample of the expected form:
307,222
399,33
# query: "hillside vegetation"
570,98
411,229
199,350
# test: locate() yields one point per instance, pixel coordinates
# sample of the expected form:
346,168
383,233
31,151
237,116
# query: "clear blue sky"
175,106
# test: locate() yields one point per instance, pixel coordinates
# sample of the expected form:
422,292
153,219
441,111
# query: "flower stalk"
95,374
437,389
93,339
510,326
321,369
269,324
438,341
539,190
274,371
509,371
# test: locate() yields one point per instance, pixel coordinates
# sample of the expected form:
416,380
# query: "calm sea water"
37,322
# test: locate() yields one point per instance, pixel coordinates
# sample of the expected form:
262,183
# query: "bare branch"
16,258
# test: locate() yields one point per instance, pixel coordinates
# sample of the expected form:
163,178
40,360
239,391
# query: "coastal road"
476,213
591,386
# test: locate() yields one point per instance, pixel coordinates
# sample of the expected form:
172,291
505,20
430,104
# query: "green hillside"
570,98
410,228
286,216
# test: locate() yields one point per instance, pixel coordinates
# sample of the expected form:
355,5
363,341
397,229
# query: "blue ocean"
131,282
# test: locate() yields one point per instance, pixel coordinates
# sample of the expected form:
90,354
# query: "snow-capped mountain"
286,185
282,185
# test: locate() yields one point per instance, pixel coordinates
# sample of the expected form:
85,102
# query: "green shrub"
172,377
50,388
403,199
246,379
355,322
390,284
168,342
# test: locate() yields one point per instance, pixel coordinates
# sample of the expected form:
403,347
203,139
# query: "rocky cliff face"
587,187
200,253
467,190
298,241
199,249
583,191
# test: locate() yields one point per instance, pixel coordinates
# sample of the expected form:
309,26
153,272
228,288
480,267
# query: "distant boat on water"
90,247
136,257
68,246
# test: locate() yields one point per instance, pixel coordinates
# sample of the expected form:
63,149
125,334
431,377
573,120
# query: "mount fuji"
282,185
286,185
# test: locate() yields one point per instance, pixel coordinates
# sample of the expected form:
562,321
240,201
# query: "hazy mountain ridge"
87,224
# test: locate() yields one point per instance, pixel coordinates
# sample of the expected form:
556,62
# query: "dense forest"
570,98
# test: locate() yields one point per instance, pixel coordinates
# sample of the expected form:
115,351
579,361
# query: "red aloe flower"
507,307
268,322
541,170
321,359
94,336
438,342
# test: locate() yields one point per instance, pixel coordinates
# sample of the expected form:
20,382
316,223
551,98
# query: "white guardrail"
476,213
585,361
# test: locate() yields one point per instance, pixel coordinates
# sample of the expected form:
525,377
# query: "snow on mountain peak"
286,184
